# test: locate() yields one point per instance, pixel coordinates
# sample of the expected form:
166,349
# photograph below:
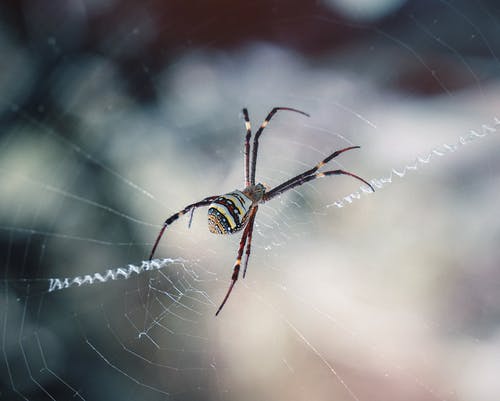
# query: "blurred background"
115,114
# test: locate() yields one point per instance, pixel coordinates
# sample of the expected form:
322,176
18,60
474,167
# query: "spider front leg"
237,264
303,180
247,147
311,174
255,148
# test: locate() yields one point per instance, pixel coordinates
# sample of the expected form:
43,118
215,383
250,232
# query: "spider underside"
235,211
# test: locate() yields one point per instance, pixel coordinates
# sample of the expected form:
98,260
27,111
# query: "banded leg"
249,242
309,172
247,147
276,191
236,268
174,217
258,134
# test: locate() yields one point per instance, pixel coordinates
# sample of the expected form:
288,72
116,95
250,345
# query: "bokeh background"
115,114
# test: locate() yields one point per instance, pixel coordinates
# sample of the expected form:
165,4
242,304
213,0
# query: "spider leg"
191,217
174,217
279,190
237,264
249,243
258,134
247,147
308,172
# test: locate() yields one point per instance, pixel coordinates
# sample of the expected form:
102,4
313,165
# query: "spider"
236,210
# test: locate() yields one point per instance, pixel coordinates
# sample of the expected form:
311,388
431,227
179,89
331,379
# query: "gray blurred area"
115,114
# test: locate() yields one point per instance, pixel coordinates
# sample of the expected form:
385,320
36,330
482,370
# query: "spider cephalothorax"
255,192
236,210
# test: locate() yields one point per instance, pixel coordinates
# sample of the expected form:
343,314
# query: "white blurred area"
394,297
365,9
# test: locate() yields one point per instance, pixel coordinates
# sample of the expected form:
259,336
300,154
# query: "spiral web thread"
439,151
56,284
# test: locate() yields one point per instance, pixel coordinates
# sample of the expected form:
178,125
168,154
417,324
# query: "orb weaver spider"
236,210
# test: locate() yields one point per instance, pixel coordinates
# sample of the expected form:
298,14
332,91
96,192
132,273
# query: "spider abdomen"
228,213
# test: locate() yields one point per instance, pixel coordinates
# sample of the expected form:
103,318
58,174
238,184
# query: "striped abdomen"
228,213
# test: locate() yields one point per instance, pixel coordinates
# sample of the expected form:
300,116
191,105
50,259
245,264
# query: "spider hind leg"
174,217
249,244
237,264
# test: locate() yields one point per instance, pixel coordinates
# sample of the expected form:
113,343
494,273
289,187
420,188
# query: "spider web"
349,295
